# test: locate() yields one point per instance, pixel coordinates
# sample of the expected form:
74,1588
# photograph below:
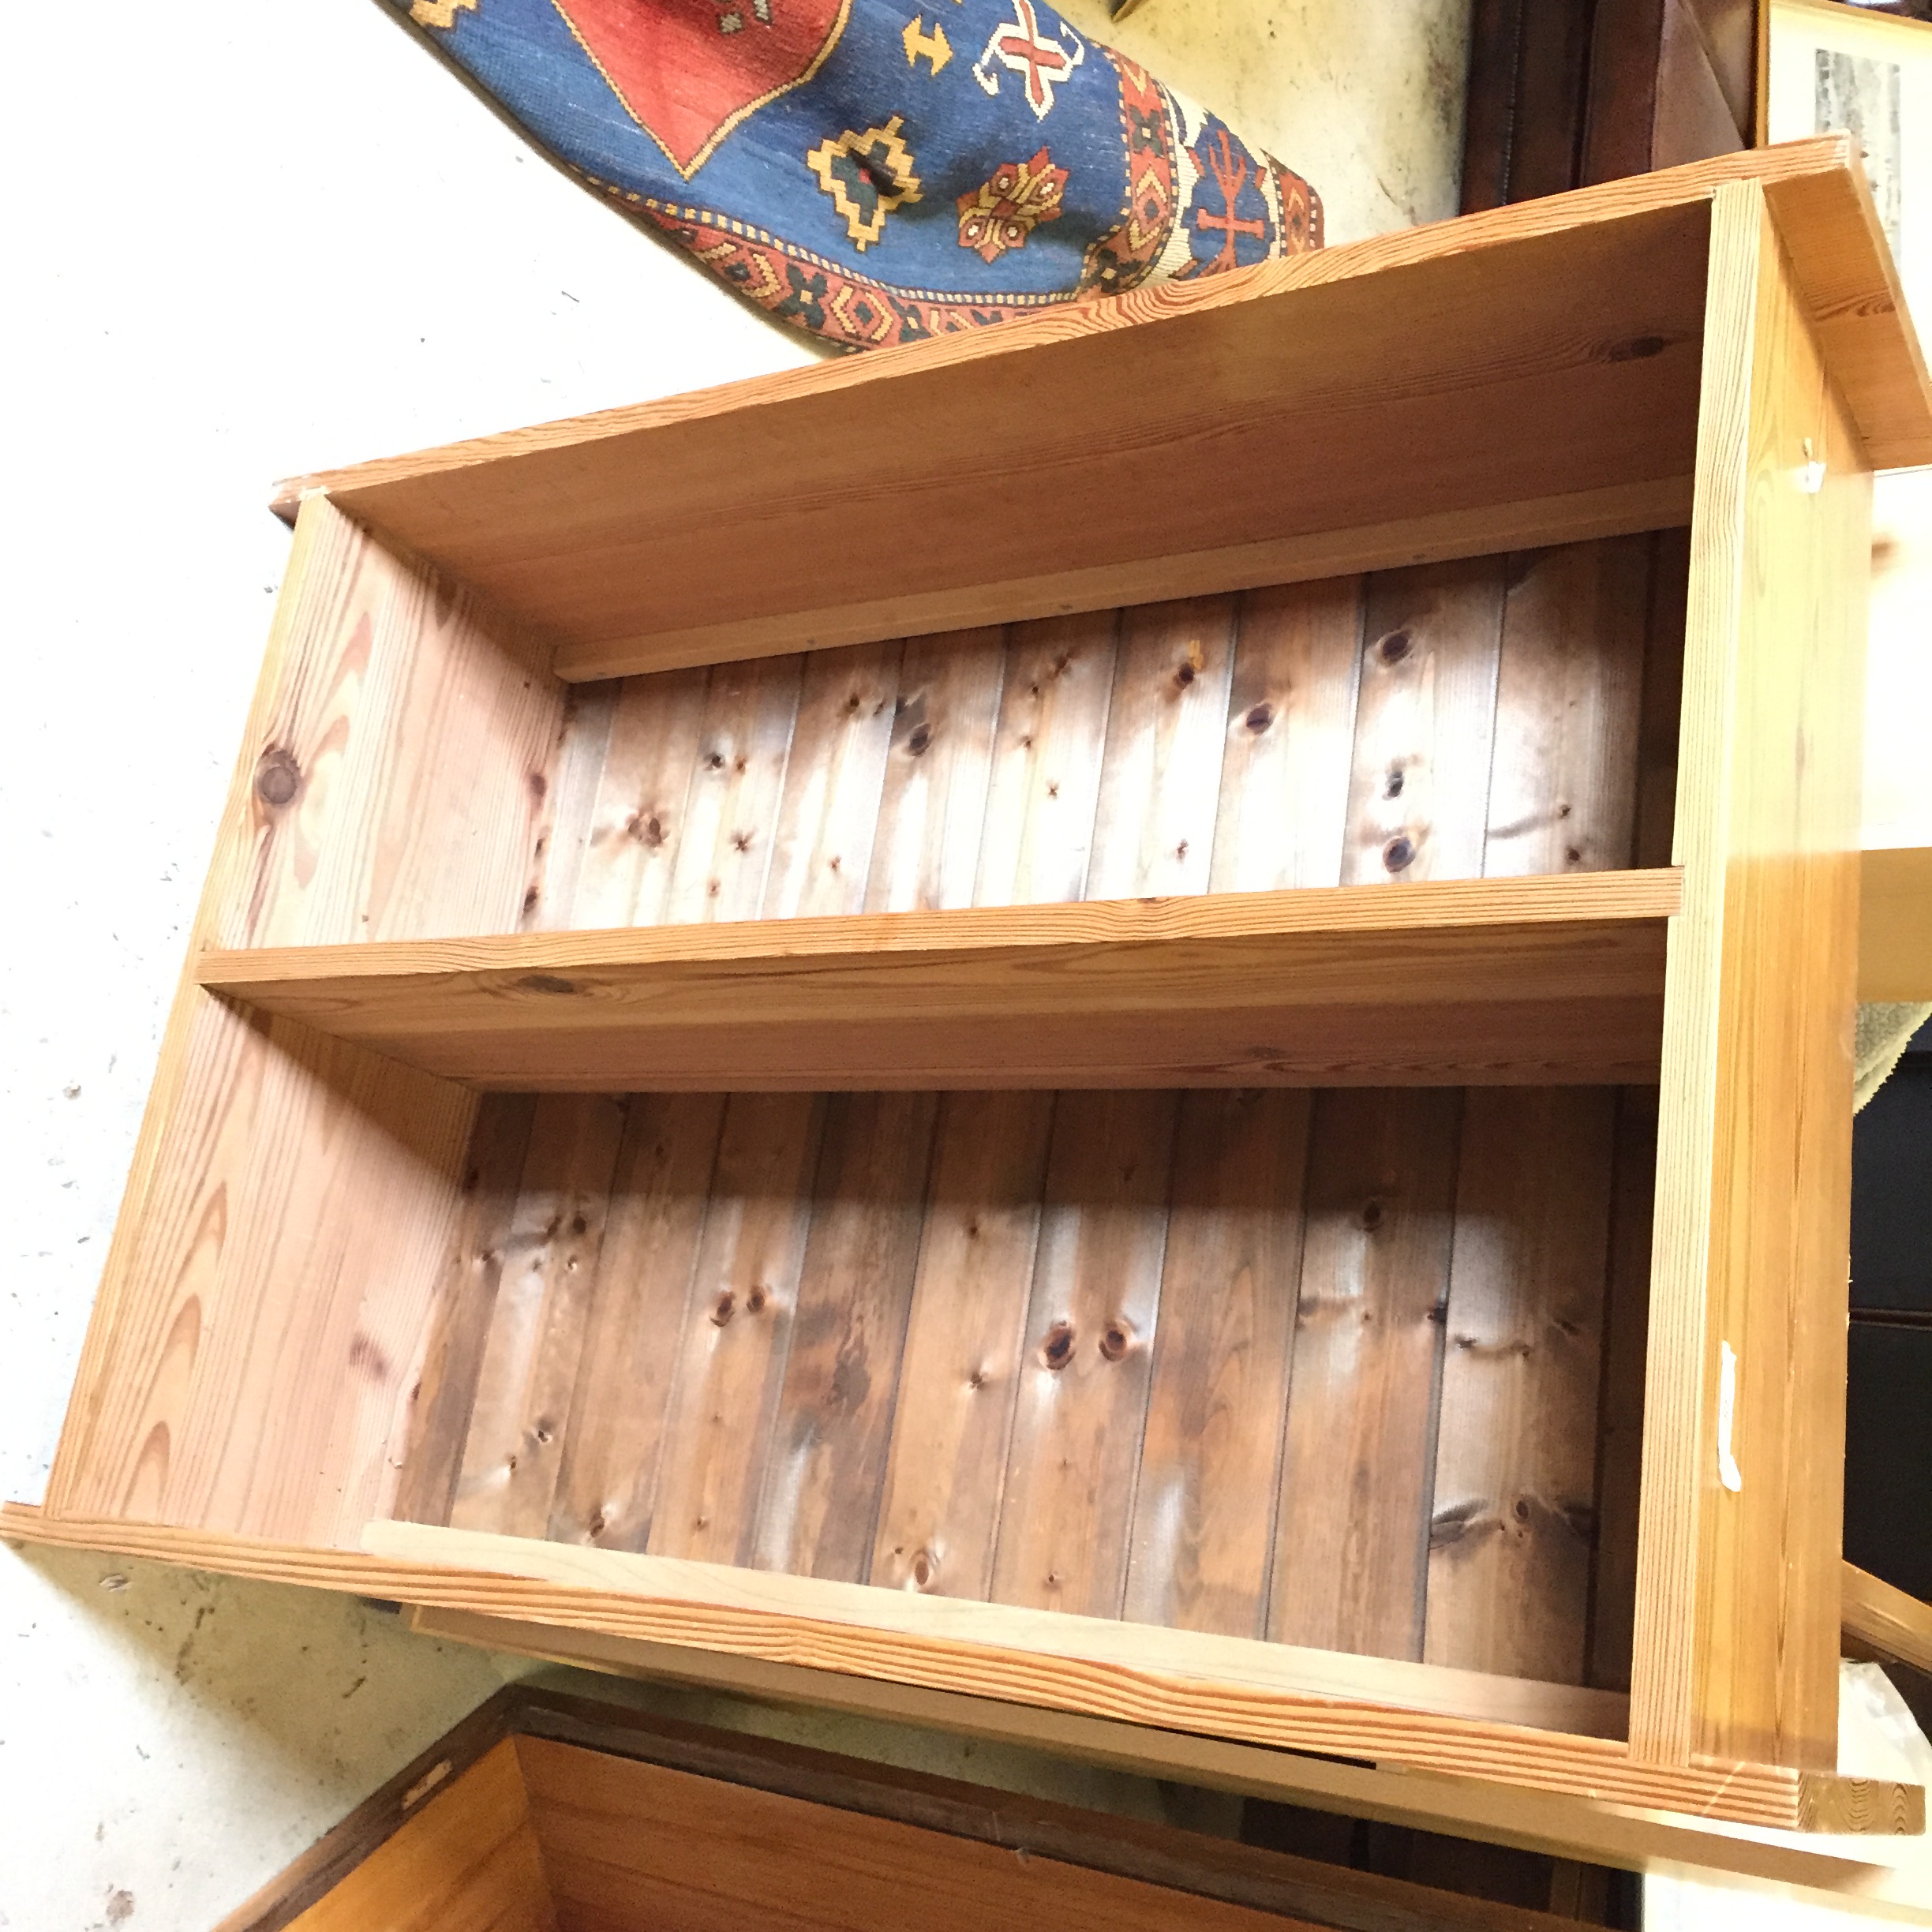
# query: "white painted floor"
239,242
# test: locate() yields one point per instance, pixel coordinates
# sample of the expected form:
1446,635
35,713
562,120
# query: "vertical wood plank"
1045,786
731,810
939,1516
827,1466
567,799
1160,773
445,1388
1425,723
1563,789
1619,1414
253,1349
630,838
1513,1514
1204,1504
1662,717
1065,1523
830,807
1351,1540
1751,1251
514,1447
1290,738
730,1358
612,1448
925,852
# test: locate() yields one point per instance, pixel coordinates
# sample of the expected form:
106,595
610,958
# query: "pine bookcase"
1141,1020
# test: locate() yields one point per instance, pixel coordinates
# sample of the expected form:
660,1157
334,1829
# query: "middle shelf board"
1518,981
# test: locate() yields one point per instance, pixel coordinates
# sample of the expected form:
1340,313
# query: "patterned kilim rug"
875,171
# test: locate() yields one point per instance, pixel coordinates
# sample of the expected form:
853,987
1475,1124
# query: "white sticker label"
1728,1474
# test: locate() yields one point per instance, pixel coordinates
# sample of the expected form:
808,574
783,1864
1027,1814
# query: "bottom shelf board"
1466,981
574,1590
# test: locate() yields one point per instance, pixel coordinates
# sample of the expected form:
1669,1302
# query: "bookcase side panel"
271,1283
1737,1630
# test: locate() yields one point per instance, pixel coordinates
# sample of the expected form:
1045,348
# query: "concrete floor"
244,241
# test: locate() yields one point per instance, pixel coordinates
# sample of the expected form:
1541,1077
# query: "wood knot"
597,1524
1057,1350
1398,854
1259,718
1521,1512
754,1302
924,1569
1572,856
1393,648
920,742
1118,1339
721,1308
544,983
714,762
1392,785
1636,348
1184,674
741,841
539,786
545,1434
278,777
1370,1219
647,831
530,900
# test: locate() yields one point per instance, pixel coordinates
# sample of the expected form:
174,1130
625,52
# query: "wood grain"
1891,1622
443,1396
468,1861
926,848
939,1517
632,536
1895,924
1562,794
1512,1531
1290,733
1620,1417
1424,724
640,1847
731,810
1877,1872
1065,1526
827,1465
1552,1754
1203,1513
1362,1405
1504,980
837,771
629,843
1044,785
515,1444
1754,1135
607,1483
1160,773
731,1361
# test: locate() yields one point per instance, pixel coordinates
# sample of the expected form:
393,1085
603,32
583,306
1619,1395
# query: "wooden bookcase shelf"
1222,1136
1455,982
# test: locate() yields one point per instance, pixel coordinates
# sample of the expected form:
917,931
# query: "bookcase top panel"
1527,376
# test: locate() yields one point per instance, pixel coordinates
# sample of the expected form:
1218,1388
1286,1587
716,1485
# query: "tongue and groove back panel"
1330,1368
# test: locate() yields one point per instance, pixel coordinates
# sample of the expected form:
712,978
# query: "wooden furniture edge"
1893,1623
1619,510
1895,923
1169,1855
1583,898
1853,1868
1423,1743
1668,188
763,1600
317,1871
